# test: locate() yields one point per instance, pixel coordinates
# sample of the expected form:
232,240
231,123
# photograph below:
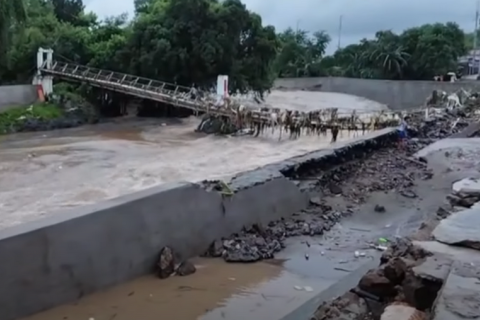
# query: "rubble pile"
385,170
408,279
390,168
401,282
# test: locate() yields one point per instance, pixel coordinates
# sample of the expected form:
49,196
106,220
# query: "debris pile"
409,278
256,243
232,115
403,281
465,194
385,170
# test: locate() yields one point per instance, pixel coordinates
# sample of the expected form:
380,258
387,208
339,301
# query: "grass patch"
15,117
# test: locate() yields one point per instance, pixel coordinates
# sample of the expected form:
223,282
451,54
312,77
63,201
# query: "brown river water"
46,173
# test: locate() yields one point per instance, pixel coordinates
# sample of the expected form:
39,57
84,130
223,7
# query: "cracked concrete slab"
460,297
460,228
435,268
467,185
455,253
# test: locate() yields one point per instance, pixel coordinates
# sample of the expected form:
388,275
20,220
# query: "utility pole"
475,36
297,27
340,32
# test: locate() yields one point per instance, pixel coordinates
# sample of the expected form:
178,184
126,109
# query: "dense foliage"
192,41
415,54
183,41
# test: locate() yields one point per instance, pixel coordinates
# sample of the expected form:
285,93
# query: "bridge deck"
155,90
174,95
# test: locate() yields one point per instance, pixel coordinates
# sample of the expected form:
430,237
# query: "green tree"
300,53
69,11
12,16
192,41
416,54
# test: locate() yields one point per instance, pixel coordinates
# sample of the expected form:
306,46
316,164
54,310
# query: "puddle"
148,298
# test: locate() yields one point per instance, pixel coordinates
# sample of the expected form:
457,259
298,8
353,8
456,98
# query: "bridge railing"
118,77
142,87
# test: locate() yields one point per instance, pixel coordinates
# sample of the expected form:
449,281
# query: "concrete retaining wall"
61,258
11,96
396,94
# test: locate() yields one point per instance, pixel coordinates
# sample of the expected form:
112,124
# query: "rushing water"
47,172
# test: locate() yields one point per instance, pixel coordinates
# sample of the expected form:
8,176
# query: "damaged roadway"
387,195
381,179
433,273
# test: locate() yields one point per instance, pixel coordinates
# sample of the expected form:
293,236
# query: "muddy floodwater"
47,172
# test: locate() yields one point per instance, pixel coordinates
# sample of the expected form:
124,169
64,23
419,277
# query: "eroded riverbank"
331,256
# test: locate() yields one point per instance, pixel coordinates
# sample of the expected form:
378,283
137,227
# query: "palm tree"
390,58
11,12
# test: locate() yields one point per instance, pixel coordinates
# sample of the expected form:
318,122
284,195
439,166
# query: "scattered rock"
315,201
394,270
347,307
215,250
442,213
185,268
408,194
376,283
166,263
402,311
335,188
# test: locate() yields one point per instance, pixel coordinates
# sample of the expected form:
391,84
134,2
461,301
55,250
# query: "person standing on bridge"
403,133
335,129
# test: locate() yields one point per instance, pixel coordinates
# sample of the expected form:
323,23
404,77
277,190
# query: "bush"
13,119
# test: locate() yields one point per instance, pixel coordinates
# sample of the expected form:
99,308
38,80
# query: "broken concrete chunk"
395,270
166,263
467,186
346,307
186,268
402,312
460,229
315,201
423,283
434,268
375,282
460,296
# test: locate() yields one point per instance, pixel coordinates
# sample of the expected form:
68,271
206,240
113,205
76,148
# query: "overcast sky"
361,18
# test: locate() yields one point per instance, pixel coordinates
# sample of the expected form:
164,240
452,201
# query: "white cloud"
361,18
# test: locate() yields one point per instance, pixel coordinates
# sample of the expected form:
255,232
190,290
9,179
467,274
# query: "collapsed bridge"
234,112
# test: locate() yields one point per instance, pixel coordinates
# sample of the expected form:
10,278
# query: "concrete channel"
58,259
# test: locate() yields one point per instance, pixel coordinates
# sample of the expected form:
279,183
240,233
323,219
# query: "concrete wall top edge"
82,211
313,79
397,95
247,179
